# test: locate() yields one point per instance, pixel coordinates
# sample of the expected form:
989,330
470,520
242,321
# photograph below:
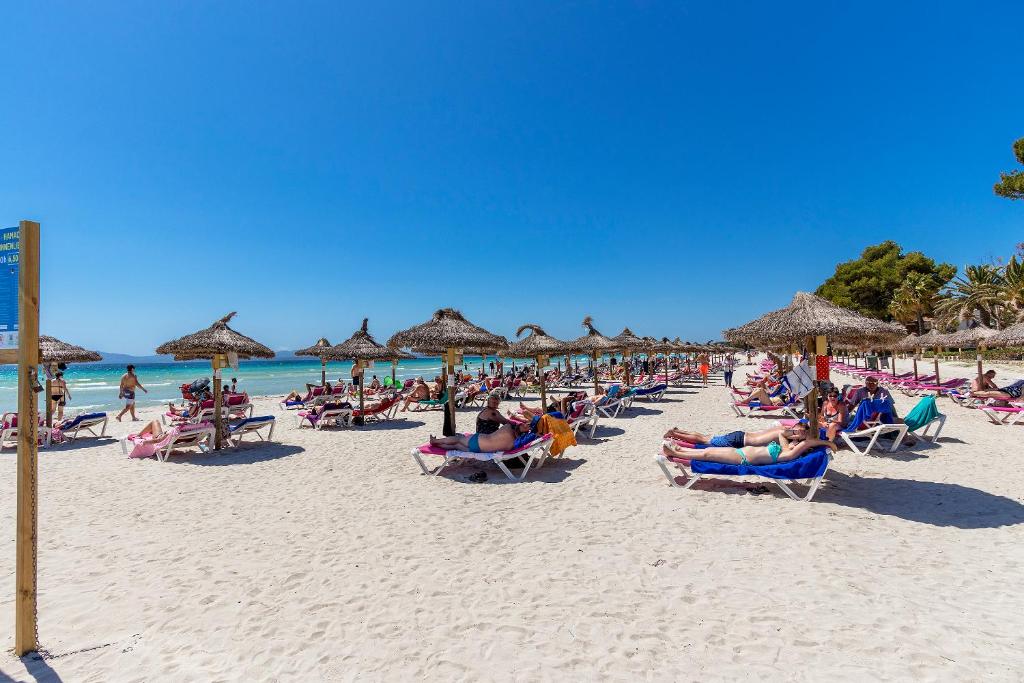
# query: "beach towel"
870,410
800,380
562,434
924,412
810,466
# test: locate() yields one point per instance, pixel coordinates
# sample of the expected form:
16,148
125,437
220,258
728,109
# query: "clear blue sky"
656,164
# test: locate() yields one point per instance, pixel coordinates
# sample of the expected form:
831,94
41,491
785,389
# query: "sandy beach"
329,556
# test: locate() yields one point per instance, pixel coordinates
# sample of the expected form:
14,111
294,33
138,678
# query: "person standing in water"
129,383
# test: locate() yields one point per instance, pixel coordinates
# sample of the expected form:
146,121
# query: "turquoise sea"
93,386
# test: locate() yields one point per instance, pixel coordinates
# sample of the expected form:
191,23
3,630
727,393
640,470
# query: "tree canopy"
1011,184
869,283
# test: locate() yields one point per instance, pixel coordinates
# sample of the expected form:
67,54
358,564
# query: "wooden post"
25,632
915,365
627,363
935,357
892,356
323,372
593,367
394,366
216,363
543,392
980,350
811,400
48,400
362,391
451,385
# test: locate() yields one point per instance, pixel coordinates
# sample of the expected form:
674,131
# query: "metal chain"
34,420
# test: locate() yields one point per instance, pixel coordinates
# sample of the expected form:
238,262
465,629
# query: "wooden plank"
8,356
25,636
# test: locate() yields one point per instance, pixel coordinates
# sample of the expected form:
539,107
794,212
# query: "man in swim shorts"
129,383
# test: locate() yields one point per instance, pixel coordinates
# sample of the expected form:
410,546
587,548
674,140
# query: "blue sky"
677,167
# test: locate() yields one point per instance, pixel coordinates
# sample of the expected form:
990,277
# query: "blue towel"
523,440
613,391
867,408
650,390
82,418
810,466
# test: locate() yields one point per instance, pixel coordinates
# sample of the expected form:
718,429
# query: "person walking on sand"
703,361
129,383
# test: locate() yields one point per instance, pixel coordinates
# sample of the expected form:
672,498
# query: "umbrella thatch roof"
810,316
593,341
362,346
318,350
53,350
628,341
663,346
539,343
928,340
1011,336
971,337
215,339
447,329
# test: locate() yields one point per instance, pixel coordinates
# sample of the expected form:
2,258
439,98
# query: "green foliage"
979,293
868,284
1011,184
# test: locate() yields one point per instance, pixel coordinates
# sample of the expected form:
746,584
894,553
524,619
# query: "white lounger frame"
535,454
339,416
874,432
693,477
87,425
1003,417
238,434
195,438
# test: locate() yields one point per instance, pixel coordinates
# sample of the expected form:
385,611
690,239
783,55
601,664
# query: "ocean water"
94,386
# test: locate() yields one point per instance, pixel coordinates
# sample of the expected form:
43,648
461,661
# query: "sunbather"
986,382
296,396
759,395
420,392
782,450
490,418
737,439
833,415
188,411
502,440
1009,393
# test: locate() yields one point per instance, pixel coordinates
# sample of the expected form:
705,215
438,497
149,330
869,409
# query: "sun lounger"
431,403
238,406
9,431
533,453
313,393
872,433
252,425
924,416
380,413
653,393
744,410
199,436
84,422
584,417
329,416
809,469
1003,415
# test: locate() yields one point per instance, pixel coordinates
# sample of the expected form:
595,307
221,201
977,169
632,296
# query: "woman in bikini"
833,414
783,450
490,418
59,394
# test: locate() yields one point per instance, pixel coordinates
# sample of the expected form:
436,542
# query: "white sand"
330,557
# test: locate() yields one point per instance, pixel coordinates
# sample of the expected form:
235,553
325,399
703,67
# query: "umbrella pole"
593,367
892,353
981,350
626,364
362,398
543,394
394,364
451,388
936,359
217,401
915,366
811,400
323,372
49,393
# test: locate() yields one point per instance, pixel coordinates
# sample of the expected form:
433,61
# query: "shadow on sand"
247,454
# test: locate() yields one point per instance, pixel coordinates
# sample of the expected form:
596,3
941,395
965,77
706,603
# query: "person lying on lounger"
783,450
296,396
420,392
736,439
759,395
502,440
565,405
1009,393
188,411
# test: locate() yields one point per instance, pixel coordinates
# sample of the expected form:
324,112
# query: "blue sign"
10,241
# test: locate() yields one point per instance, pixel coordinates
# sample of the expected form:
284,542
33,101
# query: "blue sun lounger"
809,469
654,393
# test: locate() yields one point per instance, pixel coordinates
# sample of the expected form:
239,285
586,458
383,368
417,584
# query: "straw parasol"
592,343
53,351
971,337
317,351
1011,336
666,347
628,343
809,317
214,344
538,345
359,348
447,332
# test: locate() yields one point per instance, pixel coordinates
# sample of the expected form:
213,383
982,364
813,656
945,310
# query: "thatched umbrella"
447,332
359,348
53,351
214,344
664,346
807,318
930,339
318,350
629,343
539,345
594,344
972,337
1011,336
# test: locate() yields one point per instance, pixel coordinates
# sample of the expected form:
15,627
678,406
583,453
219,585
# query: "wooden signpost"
27,358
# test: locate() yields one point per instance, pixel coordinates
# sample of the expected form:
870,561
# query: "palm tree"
1013,287
914,299
977,294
